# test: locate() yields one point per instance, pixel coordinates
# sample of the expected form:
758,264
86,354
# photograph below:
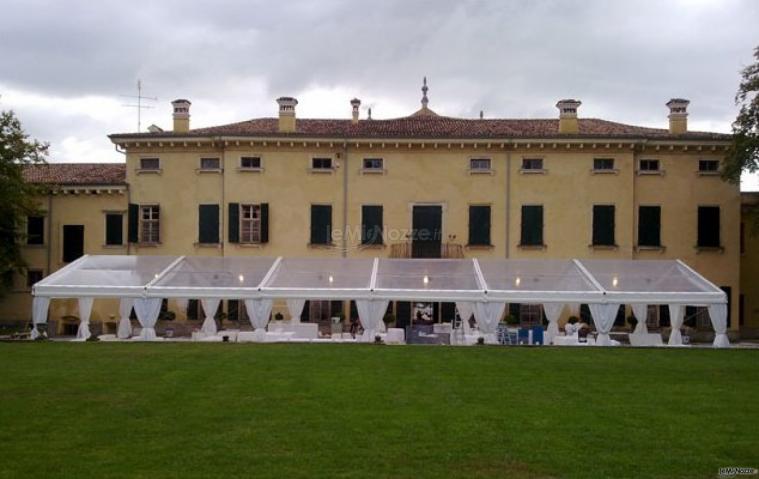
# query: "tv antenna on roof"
139,104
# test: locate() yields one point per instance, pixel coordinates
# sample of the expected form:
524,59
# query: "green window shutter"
532,225
649,226
371,224
264,222
234,223
603,225
208,224
321,224
134,223
708,226
479,225
114,229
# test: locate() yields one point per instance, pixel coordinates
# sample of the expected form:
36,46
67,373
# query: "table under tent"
480,289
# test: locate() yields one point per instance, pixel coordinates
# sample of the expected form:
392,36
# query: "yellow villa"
424,185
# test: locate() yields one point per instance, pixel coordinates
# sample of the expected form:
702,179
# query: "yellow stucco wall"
750,270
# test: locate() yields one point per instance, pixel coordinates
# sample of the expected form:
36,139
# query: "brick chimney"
355,104
678,115
568,116
181,115
286,114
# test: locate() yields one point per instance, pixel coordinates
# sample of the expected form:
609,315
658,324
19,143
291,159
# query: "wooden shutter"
532,225
371,224
479,225
233,235
708,226
134,223
321,224
208,224
603,225
264,222
649,226
114,229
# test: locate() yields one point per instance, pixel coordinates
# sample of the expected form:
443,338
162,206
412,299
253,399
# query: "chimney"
355,103
568,116
286,114
678,115
181,115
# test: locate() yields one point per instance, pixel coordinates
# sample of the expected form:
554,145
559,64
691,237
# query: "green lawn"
210,410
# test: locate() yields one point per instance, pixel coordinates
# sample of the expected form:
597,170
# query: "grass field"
213,410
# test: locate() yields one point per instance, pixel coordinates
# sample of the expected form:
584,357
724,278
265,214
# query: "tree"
743,155
17,198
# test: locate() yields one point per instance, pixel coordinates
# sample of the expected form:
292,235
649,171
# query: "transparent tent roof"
508,280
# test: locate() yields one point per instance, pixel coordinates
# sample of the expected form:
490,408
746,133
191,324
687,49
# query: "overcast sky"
64,64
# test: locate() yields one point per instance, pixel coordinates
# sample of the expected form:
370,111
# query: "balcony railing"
417,249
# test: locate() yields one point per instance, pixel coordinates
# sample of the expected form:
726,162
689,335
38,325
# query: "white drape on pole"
259,312
40,306
85,310
553,313
676,317
125,325
466,310
295,308
487,316
370,313
147,311
210,305
718,315
640,311
603,317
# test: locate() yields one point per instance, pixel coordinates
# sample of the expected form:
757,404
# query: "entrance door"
73,242
427,231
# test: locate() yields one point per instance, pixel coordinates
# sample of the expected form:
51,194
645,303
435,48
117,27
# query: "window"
321,224
149,224
479,164
603,164
697,317
210,164
33,276
603,225
114,229
708,166
532,164
649,165
373,163
371,224
652,318
208,224
530,315
649,226
35,230
236,311
150,164
708,227
479,225
250,162
532,226
250,224
321,163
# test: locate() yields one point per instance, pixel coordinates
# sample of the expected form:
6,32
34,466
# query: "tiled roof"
76,174
429,126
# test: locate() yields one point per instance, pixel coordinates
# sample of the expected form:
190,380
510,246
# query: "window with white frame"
649,165
250,162
534,164
373,164
150,164
149,224
210,164
530,315
321,163
479,164
603,164
250,224
708,166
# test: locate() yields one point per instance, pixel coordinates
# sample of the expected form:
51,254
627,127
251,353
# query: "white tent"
482,287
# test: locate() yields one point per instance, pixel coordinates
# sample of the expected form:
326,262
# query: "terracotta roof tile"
429,126
76,174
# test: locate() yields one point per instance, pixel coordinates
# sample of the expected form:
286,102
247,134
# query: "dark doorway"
73,242
426,231
402,314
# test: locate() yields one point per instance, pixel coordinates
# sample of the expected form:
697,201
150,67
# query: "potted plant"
389,320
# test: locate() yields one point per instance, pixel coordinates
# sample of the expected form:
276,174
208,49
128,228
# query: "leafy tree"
744,152
17,198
